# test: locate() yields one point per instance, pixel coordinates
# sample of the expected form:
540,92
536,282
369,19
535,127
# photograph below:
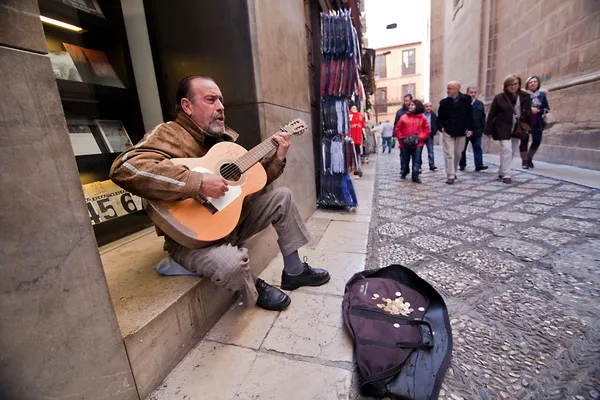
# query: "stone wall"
59,335
556,40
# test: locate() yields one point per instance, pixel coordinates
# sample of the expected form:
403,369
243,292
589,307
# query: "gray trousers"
227,263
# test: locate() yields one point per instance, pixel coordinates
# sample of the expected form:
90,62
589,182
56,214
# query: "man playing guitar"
146,170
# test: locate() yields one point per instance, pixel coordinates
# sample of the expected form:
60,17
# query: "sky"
408,14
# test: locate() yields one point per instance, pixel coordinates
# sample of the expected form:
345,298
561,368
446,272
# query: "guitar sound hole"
231,172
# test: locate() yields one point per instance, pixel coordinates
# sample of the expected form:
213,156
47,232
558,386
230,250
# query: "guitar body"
189,222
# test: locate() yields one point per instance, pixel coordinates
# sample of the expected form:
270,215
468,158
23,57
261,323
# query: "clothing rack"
339,81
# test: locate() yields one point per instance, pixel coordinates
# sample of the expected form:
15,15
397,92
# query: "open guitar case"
402,355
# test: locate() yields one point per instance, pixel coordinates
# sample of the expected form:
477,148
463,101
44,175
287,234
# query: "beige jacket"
146,169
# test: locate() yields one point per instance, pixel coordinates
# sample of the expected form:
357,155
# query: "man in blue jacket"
455,121
475,138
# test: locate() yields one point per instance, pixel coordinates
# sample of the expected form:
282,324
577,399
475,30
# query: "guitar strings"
232,169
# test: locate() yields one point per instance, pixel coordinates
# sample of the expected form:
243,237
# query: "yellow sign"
106,201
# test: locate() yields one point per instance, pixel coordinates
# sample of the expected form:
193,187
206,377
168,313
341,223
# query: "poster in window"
80,61
82,138
89,6
63,66
103,70
114,134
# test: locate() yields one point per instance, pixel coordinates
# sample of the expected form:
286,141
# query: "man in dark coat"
403,110
475,138
432,119
455,120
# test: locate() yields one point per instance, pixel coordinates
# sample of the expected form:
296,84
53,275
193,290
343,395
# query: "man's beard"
214,128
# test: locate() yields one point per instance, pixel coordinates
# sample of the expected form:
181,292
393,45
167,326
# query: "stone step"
163,318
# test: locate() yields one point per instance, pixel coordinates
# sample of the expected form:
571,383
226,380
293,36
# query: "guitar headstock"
295,127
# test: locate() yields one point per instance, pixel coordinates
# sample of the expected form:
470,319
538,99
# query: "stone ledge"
162,318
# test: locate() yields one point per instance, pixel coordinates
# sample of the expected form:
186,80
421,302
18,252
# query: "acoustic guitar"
198,223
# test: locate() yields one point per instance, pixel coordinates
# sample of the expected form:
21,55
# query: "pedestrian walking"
432,120
475,138
412,130
455,120
403,110
539,107
510,116
387,135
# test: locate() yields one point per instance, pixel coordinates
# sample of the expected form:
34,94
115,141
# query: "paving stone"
351,236
414,207
574,188
199,372
312,327
275,377
398,254
534,208
316,227
548,200
242,326
519,248
548,181
506,196
548,236
569,225
583,213
490,188
488,262
589,204
472,193
491,224
511,216
393,214
469,209
451,279
423,222
448,215
464,233
395,230
536,186
519,190
564,194
435,243
490,203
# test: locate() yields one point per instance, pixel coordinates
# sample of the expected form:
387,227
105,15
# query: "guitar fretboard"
256,154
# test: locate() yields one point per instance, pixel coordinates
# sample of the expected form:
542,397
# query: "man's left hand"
469,133
283,140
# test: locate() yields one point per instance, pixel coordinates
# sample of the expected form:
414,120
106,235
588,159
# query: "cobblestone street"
518,266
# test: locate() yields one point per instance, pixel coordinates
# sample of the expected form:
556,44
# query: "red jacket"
357,123
412,123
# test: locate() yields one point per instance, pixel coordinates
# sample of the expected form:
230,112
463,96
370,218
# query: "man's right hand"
213,186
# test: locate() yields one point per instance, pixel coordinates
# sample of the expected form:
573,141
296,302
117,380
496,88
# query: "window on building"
381,100
408,62
409,89
380,67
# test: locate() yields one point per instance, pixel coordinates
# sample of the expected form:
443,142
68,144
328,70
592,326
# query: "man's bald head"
453,88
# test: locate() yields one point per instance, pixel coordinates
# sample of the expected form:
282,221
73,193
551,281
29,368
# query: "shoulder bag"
522,129
549,119
412,140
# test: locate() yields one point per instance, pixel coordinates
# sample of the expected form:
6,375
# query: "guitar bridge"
207,204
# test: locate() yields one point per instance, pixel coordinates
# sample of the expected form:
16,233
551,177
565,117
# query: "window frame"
407,69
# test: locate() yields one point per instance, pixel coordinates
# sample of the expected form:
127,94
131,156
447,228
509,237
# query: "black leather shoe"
270,298
461,168
481,168
416,180
309,277
432,168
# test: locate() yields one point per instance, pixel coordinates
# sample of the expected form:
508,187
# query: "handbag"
412,140
549,119
522,129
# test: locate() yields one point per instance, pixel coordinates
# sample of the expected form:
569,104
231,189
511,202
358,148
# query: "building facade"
80,80
398,71
481,42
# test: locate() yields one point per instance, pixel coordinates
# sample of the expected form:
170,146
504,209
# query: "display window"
88,49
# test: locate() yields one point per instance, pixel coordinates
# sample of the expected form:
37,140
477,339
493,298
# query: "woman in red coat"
413,122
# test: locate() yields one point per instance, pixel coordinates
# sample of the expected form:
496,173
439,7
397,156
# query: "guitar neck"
253,156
